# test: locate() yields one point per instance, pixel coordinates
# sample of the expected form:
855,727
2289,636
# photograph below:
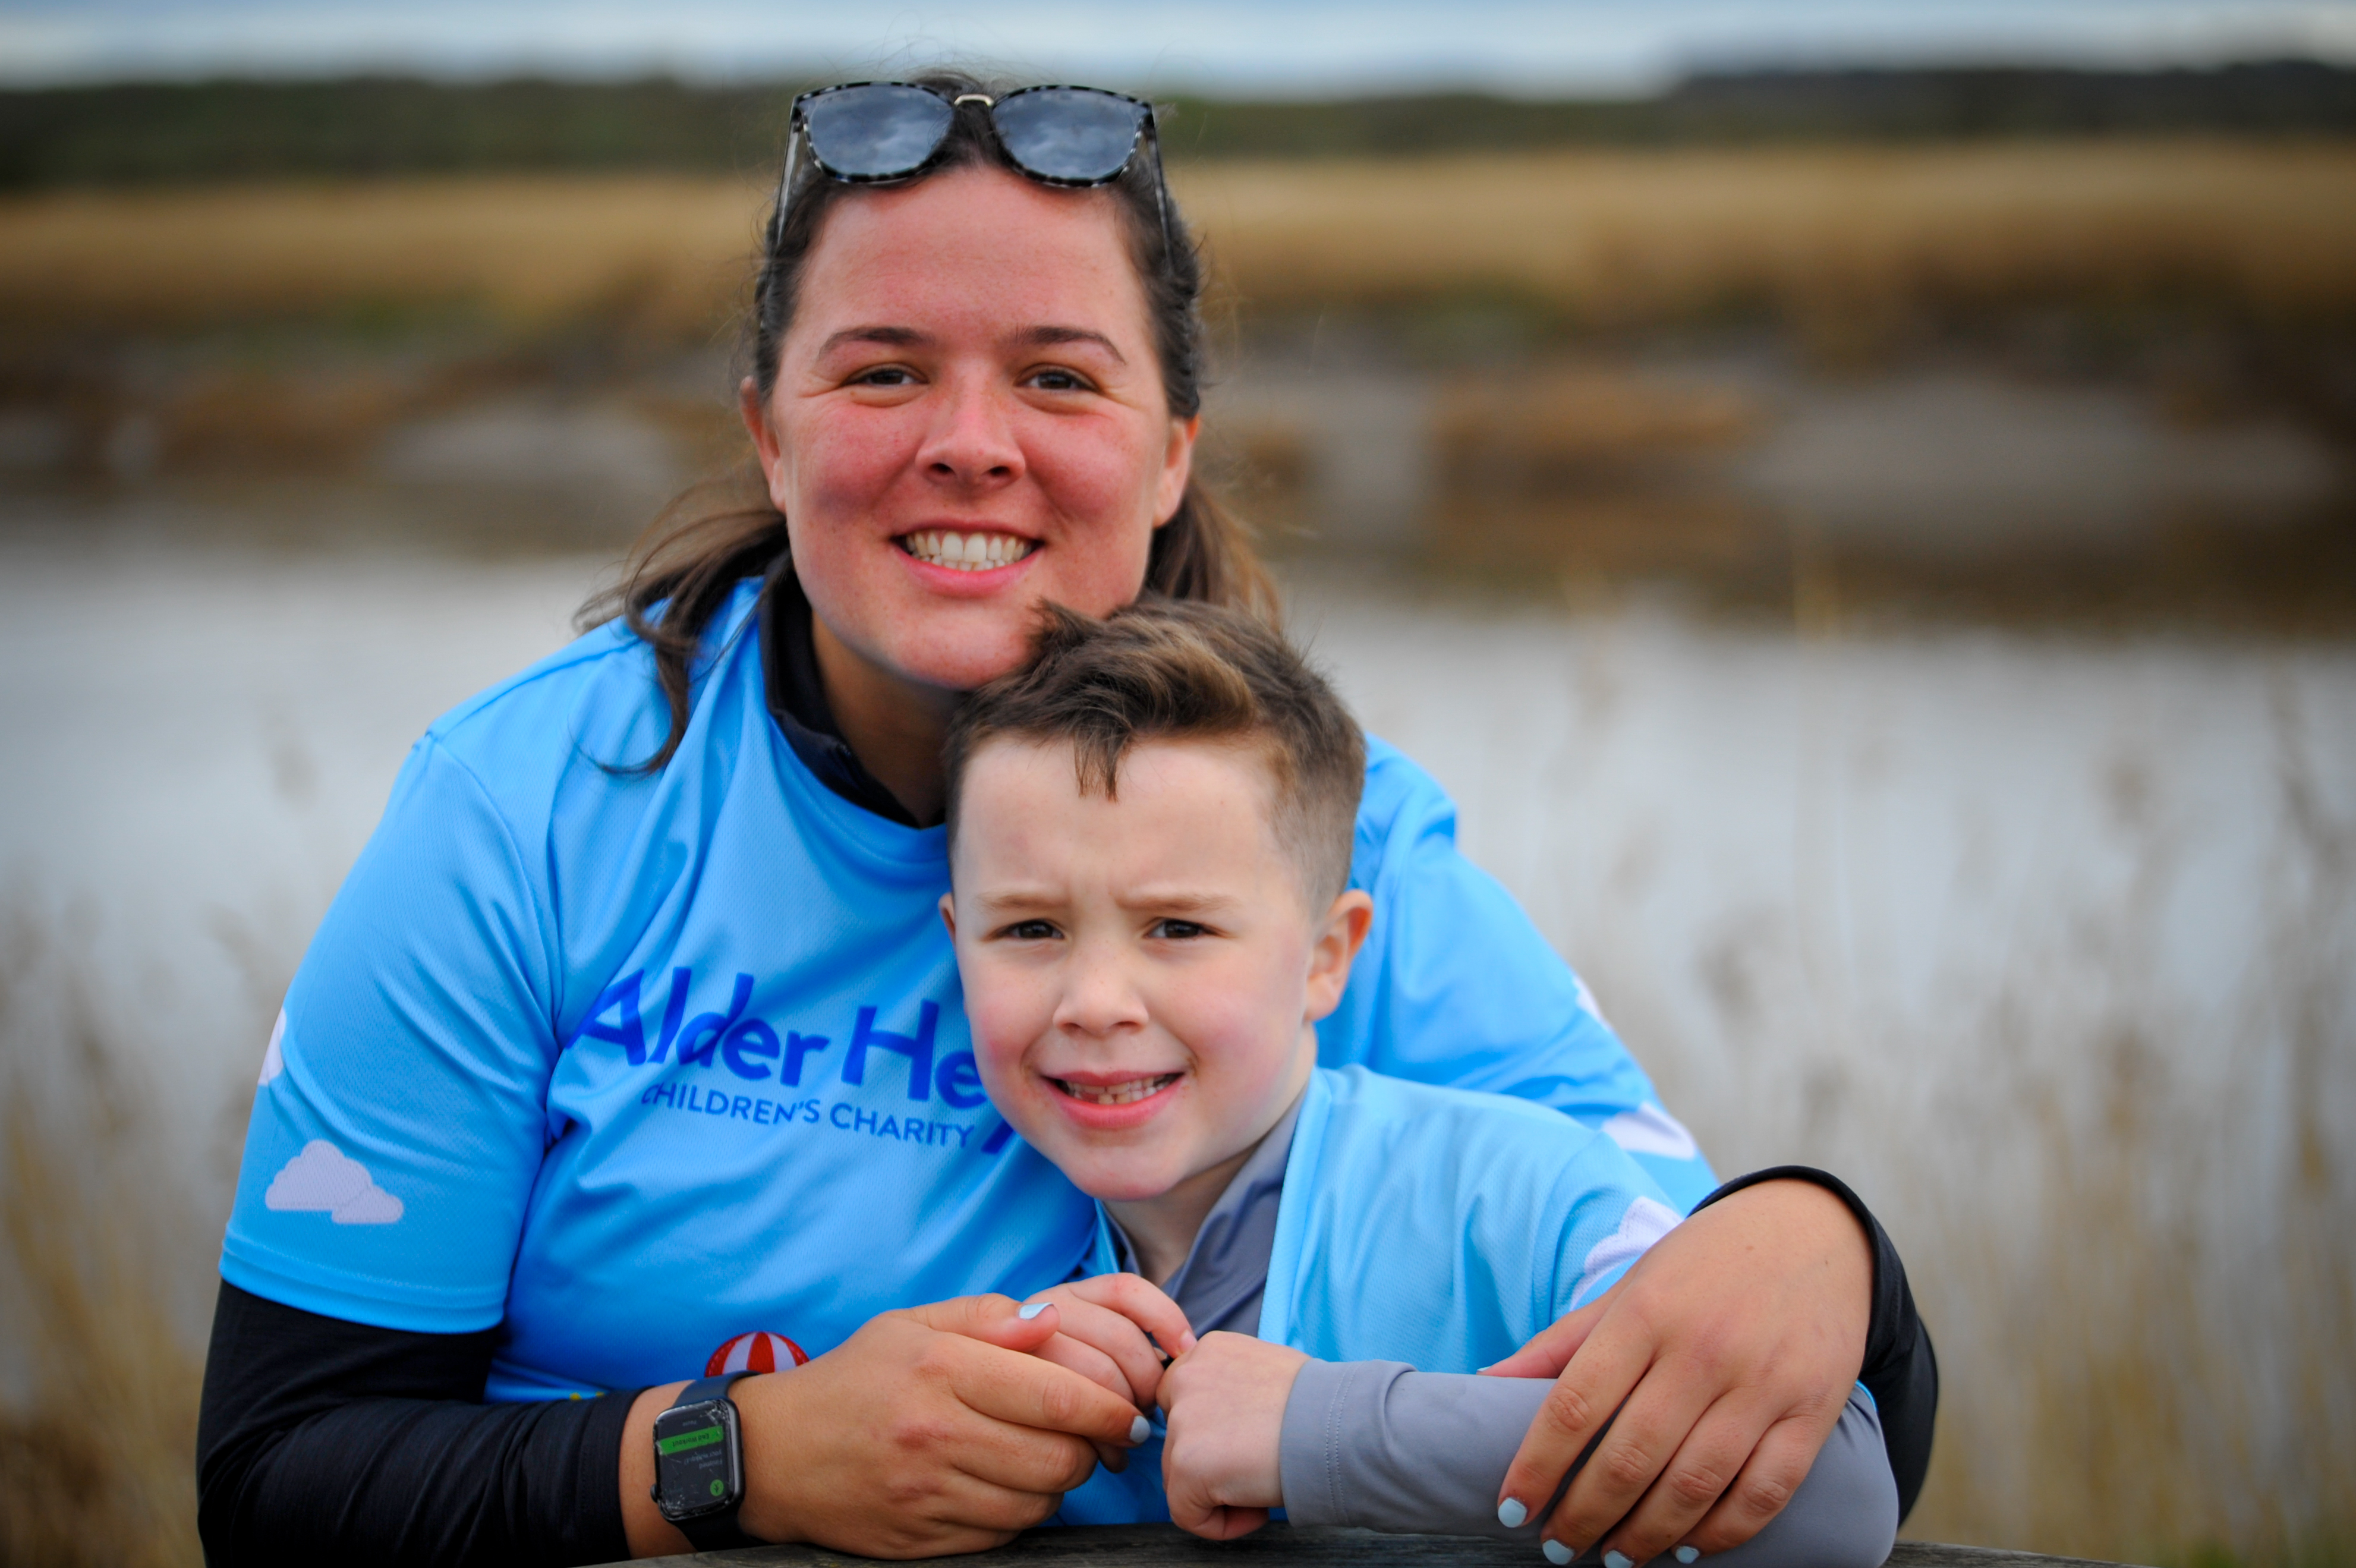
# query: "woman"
633,1033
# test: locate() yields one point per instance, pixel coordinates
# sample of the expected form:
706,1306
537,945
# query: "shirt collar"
797,698
1226,1270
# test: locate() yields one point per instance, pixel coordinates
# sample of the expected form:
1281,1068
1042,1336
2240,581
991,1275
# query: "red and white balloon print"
756,1352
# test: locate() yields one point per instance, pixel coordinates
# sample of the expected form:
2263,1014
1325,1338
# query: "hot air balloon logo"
756,1352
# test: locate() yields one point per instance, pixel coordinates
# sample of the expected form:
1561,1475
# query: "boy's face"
1142,974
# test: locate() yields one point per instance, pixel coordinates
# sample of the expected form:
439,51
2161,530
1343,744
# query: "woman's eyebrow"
892,337
1051,337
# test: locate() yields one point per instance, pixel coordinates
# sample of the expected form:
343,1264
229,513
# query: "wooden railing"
1281,1546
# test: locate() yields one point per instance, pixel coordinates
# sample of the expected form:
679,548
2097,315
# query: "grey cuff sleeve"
1379,1446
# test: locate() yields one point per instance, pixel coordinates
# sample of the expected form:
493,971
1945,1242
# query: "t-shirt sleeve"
1455,986
400,1118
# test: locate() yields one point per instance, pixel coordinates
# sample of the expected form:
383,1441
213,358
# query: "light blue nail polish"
1512,1514
1139,1430
1618,1559
1032,1310
1556,1552
1687,1553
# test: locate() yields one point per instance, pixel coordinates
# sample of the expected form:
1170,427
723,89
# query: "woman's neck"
893,725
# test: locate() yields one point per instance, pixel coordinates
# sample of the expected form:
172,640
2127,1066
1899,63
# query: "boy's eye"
1178,930
1030,931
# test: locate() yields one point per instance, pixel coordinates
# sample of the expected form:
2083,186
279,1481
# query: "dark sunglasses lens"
1069,133
870,132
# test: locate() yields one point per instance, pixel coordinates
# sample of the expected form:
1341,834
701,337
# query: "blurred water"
2047,943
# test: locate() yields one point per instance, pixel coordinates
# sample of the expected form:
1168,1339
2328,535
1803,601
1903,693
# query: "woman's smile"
977,551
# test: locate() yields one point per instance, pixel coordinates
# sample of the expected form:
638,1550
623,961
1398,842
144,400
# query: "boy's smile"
1143,973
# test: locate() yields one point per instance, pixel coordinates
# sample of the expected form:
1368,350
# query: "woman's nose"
972,445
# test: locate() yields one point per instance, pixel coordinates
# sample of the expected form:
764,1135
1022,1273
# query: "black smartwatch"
699,1465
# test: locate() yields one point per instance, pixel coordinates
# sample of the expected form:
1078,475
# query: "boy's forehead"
1012,782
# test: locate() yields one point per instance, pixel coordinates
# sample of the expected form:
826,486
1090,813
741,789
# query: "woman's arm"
326,1441
930,1431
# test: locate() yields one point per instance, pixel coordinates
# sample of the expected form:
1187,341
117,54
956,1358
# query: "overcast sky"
1222,46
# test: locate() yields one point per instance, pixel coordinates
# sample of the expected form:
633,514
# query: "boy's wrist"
1226,1399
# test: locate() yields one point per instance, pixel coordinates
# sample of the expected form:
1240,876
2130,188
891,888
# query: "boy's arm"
1378,1445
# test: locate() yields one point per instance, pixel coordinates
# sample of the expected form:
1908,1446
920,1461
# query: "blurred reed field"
1848,240
1872,554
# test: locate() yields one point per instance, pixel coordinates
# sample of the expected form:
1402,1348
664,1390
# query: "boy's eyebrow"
1179,899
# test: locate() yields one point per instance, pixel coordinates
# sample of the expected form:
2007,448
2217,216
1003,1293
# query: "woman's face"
968,419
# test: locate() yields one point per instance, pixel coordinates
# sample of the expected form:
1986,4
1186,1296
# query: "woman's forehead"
979,243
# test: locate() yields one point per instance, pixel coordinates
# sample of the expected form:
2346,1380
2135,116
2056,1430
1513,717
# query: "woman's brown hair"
689,562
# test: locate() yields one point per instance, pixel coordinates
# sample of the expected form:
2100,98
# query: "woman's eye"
1176,930
885,376
1058,380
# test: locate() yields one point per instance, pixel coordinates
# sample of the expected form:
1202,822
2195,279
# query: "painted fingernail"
1687,1553
1618,1559
1030,1310
1512,1514
1139,1430
1556,1552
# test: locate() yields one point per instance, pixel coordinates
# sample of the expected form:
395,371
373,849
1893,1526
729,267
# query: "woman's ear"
1339,935
1177,468
756,416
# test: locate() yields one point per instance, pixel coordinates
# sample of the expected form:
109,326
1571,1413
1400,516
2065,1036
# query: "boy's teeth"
966,551
1129,1093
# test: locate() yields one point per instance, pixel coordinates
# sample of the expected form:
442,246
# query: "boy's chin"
1111,1182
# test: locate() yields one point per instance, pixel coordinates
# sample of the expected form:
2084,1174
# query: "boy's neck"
1162,1229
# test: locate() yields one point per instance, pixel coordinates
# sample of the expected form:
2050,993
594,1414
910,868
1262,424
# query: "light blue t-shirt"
634,1064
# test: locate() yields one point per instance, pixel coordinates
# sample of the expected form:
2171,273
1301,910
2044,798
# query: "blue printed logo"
754,1050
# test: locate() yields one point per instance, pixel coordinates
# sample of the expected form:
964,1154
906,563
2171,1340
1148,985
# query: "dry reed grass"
1846,241
97,1461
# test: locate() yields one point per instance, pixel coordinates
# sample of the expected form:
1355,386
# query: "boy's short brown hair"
1180,670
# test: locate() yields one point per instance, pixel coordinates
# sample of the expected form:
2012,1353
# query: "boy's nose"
1100,998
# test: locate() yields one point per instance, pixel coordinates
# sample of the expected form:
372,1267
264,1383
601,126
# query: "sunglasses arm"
1161,179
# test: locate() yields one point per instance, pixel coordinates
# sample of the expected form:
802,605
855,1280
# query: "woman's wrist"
650,1534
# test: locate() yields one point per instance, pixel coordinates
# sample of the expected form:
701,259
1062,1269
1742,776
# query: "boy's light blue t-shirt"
633,1064
1422,1225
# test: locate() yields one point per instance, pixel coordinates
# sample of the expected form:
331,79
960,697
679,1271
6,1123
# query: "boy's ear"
1339,936
948,913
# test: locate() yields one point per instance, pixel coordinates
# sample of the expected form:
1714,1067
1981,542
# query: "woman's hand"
1727,1353
1221,1466
931,1431
1109,1327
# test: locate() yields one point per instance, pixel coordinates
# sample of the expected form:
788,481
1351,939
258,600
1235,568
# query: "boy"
1151,833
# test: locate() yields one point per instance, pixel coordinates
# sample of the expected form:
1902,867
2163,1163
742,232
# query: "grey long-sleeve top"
1379,1446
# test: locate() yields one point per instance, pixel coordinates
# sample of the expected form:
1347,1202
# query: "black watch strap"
713,1531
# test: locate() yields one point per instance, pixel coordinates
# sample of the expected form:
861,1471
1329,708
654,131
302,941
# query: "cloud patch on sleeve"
1644,1223
324,1179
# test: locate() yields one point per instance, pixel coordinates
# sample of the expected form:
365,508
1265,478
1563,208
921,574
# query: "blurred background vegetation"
1873,552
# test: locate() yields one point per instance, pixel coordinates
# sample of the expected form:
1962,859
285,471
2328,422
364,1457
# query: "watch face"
698,1470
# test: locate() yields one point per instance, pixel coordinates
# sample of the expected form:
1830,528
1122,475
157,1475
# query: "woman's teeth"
966,551
1129,1093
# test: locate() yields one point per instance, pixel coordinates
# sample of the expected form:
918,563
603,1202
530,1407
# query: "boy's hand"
1107,1328
1221,1465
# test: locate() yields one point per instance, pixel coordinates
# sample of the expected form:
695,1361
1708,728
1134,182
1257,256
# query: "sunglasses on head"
872,133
